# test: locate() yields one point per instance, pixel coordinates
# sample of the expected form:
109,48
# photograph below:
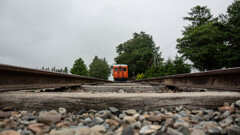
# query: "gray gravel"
111,121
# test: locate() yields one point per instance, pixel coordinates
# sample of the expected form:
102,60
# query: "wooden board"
99,101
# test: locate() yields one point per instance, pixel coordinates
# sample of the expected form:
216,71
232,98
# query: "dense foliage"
99,68
212,43
170,67
139,53
79,68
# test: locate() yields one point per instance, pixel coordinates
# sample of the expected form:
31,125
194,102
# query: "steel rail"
18,78
223,79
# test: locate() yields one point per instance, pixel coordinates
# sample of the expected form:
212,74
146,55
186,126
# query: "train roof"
119,65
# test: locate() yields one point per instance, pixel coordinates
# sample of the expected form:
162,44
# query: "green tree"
79,68
199,15
212,43
180,65
203,45
139,53
232,23
170,67
99,68
65,70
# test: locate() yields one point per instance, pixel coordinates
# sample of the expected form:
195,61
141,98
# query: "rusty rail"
224,79
18,78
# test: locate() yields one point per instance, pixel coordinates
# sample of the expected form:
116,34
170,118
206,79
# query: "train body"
120,72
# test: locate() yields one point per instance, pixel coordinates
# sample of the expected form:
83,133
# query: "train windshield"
115,69
124,69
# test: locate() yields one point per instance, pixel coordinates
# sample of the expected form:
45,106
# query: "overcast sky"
36,33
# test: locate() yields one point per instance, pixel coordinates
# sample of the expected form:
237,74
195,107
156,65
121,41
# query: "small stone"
112,122
4,114
129,119
227,108
198,118
226,113
106,125
26,123
164,117
9,132
197,132
184,130
180,122
62,124
114,110
64,132
39,128
105,114
85,115
170,114
92,111
28,117
15,114
141,118
145,122
136,125
225,122
8,108
98,121
237,103
49,117
128,130
206,117
112,128
110,133
131,112
87,121
207,111
214,131
98,129
119,130
122,115
62,110
233,131
173,132
195,111
226,104
154,118
183,113
7,123
136,116
168,122
179,108
26,132
121,91
81,111
177,116
217,117
85,131
148,129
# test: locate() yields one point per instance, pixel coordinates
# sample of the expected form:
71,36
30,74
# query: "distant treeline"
54,69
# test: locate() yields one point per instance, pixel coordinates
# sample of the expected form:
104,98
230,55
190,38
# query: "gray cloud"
56,32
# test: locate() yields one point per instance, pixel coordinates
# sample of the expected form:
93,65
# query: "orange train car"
120,72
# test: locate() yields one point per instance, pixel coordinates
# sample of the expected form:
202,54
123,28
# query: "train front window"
120,69
124,69
115,69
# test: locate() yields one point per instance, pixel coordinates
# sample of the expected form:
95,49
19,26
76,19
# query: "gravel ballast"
172,121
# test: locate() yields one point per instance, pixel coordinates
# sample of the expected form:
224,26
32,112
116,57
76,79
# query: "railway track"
15,78
20,78
143,97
